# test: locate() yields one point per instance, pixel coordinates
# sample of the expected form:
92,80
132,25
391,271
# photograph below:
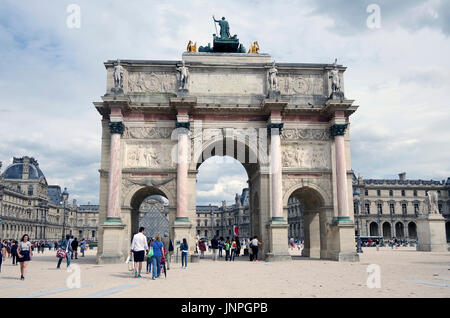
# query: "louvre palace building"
28,205
390,207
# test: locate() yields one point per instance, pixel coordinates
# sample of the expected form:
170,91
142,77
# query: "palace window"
355,207
416,208
206,222
380,208
391,193
367,208
404,211
439,193
198,222
403,193
415,193
378,193
366,192
392,208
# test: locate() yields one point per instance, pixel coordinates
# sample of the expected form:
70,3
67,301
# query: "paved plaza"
404,273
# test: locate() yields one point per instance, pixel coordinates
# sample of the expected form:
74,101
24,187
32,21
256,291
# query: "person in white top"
139,248
255,246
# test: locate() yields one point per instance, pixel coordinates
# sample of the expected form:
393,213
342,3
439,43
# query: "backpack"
227,246
170,246
60,253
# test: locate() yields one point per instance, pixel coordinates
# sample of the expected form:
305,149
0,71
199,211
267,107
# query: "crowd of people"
156,251
232,248
21,252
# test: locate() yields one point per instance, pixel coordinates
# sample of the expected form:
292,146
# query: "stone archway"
387,234
373,229
150,130
312,204
399,230
412,230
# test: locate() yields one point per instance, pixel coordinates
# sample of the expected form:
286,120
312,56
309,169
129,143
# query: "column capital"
180,124
277,126
116,127
338,129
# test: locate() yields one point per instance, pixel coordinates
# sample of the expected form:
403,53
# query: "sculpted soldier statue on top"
224,28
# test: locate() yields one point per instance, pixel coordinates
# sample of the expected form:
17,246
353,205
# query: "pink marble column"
338,132
276,172
116,129
182,175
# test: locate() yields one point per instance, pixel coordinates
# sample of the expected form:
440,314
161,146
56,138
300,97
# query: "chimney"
402,176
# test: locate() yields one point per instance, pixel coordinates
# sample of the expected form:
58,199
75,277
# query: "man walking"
139,248
169,248
214,247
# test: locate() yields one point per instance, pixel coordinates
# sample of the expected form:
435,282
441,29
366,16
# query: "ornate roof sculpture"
225,43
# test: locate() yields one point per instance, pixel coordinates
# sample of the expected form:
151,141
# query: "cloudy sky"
398,74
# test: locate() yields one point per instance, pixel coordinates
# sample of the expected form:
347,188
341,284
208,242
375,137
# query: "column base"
112,243
278,241
342,238
182,230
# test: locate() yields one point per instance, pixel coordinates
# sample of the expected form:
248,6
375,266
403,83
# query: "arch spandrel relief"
149,155
307,156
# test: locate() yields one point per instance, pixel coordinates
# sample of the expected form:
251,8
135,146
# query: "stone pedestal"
112,247
431,234
278,243
182,229
342,241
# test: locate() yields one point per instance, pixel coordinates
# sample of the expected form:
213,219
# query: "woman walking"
255,246
157,255
233,249
24,255
163,261
14,252
184,253
82,246
227,249
149,256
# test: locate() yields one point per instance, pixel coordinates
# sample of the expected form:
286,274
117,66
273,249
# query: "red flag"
236,230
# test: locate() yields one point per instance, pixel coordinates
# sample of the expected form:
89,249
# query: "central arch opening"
227,185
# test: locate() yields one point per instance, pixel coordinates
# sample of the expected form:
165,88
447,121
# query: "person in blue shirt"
66,247
156,258
184,252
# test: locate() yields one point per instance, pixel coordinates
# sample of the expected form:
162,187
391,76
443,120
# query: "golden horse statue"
254,48
191,47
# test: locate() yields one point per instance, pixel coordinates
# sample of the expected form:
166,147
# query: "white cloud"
51,75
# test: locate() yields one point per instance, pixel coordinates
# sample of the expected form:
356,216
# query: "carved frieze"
156,82
306,156
301,84
147,132
154,155
305,134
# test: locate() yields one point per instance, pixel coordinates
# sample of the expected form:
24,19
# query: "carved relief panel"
156,82
148,155
307,84
308,156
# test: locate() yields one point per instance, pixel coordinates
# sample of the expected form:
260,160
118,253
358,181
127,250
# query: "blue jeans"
156,260
149,264
184,259
68,254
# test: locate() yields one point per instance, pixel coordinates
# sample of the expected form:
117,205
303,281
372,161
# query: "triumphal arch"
287,123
